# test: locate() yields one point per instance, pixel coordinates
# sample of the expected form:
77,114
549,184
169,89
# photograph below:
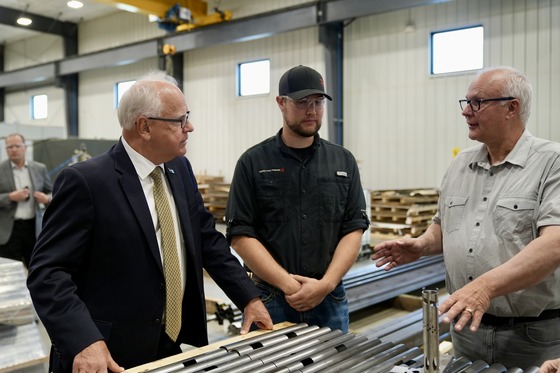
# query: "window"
253,78
457,50
39,105
120,89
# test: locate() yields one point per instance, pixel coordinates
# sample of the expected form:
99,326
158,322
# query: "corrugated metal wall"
226,125
32,51
400,123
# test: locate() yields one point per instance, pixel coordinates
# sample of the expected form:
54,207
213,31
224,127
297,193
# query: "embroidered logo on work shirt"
342,173
271,170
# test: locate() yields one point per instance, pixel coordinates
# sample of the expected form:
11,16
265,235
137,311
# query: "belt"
256,279
492,320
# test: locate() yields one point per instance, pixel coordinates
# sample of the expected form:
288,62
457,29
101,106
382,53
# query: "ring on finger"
470,311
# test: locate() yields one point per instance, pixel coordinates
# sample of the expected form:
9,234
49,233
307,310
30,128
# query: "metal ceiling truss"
263,25
40,23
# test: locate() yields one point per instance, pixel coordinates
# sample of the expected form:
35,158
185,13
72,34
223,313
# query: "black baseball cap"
301,81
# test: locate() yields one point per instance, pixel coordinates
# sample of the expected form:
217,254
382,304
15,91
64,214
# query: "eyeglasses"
304,103
475,104
182,120
15,146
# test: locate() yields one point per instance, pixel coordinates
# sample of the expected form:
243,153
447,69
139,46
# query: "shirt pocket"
333,199
513,218
273,198
453,213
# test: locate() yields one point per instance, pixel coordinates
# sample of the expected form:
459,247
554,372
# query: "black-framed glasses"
475,104
304,103
182,120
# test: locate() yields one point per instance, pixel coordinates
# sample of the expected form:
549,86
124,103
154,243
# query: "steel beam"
107,58
34,74
40,23
259,26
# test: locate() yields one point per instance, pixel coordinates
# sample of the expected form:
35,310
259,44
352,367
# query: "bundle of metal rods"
303,348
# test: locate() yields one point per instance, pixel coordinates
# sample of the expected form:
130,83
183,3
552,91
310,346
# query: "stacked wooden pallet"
215,194
396,213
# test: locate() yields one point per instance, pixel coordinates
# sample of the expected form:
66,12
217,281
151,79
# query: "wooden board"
211,347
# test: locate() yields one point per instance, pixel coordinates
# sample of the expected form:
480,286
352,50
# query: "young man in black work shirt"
296,210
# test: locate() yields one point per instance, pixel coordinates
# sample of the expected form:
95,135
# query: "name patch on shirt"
342,173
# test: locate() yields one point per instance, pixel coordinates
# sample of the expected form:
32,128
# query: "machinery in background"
174,15
80,155
54,153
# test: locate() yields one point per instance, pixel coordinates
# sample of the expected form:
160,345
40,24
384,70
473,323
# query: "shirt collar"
518,155
14,166
142,165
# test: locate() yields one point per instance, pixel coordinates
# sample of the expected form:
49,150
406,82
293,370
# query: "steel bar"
190,361
496,368
377,359
408,356
477,366
329,346
456,365
264,355
431,331
322,354
344,360
250,344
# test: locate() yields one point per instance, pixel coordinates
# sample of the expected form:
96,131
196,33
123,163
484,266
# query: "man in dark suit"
24,186
96,275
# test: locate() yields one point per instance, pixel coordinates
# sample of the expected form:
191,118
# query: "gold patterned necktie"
173,283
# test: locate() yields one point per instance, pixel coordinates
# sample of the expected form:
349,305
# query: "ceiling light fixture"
23,20
75,4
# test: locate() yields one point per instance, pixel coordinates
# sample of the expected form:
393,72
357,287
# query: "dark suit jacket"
96,271
41,183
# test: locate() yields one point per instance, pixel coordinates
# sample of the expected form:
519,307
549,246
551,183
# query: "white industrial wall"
400,123
226,125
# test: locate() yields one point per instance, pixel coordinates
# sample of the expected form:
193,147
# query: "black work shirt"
299,210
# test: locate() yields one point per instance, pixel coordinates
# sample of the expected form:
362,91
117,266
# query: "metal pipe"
378,359
344,360
457,365
406,357
190,361
271,353
250,344
431,331
477,366
299,359
496,368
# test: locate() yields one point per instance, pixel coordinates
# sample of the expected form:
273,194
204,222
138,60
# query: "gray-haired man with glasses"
498,227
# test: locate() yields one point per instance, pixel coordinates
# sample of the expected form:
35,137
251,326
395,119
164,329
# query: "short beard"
299,130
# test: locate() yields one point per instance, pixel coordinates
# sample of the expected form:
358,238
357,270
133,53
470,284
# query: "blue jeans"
331,312
520,345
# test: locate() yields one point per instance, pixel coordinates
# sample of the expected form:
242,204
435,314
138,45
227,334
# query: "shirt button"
485,199
515,207
491,174
304,216
477,224
303,191
470,250
157,322
470,278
